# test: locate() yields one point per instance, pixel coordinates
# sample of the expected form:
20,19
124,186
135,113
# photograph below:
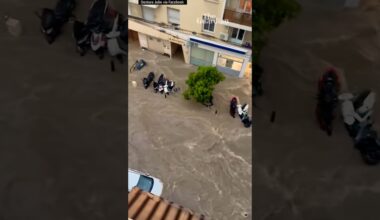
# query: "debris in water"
244,214
13,25
273,116
112,66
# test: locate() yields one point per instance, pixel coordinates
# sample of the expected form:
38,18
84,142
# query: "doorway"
177,51
133,35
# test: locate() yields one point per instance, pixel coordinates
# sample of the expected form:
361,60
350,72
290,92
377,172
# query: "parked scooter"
116,42
357,110
148,80
92,33
368,143
243,114
83,30
96,23
52,21
328,88
81,35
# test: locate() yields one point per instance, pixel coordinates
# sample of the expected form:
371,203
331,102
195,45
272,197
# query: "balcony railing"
238,17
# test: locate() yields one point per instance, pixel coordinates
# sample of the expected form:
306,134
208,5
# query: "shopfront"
228,59
229,64
200,56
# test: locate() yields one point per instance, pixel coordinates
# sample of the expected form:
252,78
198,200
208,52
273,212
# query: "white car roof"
134,176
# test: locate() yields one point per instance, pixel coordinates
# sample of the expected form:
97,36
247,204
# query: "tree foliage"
267,15
201,84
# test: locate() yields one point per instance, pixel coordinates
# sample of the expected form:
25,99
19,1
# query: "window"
148,13
229,63
233,63
245,6
237,34
145,183
208,23
173,16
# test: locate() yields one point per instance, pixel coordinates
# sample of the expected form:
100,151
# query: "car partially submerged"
145,182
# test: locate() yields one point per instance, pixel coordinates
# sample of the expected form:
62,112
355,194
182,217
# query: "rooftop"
144,205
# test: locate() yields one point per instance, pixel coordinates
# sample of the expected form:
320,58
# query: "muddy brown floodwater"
203,158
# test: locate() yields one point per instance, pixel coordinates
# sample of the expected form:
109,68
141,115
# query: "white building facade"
207,32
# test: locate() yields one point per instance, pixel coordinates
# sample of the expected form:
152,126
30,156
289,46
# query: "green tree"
201,84
267,15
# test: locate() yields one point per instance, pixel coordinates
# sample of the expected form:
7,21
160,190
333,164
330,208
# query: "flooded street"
300,172
203,158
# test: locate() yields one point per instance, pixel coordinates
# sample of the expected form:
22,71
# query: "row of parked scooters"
242,111
163,85
105,28
357,112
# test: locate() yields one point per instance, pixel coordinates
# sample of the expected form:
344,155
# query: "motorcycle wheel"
329,130
370,158
120,58
49,39
81,51
100,53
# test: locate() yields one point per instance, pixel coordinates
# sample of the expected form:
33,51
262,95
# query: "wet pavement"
62,126
300,172
203,158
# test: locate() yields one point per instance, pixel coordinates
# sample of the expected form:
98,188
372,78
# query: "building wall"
135,10
191,15
145,31
248,37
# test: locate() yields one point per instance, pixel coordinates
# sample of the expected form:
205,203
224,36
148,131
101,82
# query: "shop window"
230,62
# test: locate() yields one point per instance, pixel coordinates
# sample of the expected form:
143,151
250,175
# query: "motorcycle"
159,85
328,88
243,114
99,24
93,33
52,21
138,65
148,80
368,143
233,106
81,35
164,86
83,31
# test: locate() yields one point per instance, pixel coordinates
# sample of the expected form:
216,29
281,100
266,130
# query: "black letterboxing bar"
162,2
